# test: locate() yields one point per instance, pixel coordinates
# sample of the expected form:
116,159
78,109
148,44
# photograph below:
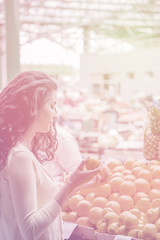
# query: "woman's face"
47,113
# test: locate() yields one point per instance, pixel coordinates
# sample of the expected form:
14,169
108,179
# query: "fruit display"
127,203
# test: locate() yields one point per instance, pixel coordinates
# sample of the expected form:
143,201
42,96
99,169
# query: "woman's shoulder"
19,155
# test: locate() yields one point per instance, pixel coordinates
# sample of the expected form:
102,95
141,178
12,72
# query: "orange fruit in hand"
92,163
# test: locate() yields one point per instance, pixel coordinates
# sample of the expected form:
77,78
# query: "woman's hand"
81,176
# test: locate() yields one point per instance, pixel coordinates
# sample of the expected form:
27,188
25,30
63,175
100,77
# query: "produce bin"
73,231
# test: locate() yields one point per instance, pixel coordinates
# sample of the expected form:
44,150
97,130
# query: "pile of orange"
128,203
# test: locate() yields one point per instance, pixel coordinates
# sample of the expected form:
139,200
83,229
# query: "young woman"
30,201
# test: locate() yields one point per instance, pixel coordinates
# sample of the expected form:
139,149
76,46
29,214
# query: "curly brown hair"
19,103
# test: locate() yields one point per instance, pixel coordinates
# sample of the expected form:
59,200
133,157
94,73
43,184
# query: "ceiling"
86,25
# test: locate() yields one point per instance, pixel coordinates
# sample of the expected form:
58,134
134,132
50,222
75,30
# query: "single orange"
146,174
122,217
99,202
114,205
83,207
84,221
92,163
127,188
115,184
126,202
113,196
129,163
131,221
143,204
149,231
142,185
95,214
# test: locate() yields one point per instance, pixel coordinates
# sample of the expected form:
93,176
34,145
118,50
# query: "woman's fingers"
83,162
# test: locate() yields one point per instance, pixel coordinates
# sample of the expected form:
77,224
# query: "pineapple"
152,133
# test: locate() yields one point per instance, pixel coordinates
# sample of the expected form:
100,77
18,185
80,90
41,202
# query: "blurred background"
105,55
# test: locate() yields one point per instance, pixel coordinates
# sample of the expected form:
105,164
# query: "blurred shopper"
30,200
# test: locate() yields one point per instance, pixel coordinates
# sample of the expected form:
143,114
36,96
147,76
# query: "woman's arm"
32,221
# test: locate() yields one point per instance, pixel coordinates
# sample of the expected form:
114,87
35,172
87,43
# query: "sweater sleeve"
32,222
